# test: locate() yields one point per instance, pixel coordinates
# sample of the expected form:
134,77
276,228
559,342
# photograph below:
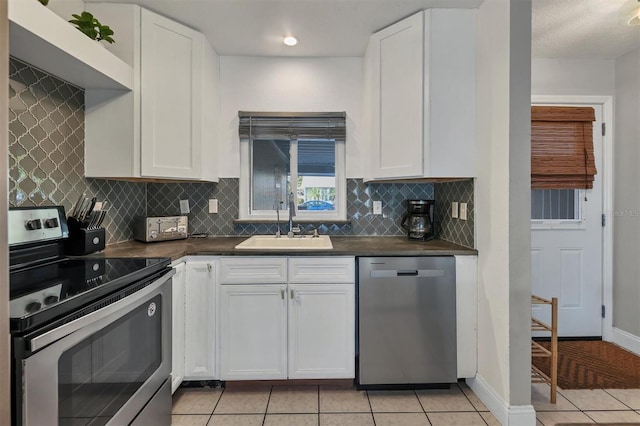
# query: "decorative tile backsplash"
455,230
164,199
46,151
46,157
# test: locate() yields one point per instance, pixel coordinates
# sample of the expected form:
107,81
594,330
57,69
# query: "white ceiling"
323,27
583,28
561,28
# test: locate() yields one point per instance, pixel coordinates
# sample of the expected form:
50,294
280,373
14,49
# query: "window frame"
245,213
565,224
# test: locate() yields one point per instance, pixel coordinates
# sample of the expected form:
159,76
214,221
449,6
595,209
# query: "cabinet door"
200,320
171,61
321,331
397,99
177,326
253,332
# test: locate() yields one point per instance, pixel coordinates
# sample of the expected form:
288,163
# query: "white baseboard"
511,415
627,340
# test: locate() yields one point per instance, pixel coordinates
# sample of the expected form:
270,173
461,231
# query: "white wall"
573,77
626,237
290,84
66,8
502,210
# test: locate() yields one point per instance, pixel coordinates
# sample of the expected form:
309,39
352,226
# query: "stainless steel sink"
270,242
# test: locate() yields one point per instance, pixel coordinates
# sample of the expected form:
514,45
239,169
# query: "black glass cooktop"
40,294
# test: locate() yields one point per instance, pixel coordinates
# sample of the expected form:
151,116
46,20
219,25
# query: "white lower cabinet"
253,332
288,329
177,325
200,319
321,331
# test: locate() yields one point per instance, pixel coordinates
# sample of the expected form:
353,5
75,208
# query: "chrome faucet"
277,205
292,213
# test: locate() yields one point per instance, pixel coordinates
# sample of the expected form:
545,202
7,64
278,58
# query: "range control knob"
32,307
33,224
50,299
154,234
51,223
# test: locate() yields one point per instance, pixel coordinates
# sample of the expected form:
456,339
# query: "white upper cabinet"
422,94
397,74
165,128
41,38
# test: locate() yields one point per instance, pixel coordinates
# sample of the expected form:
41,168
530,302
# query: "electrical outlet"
184,207
377,207
454,209
463,211
213,206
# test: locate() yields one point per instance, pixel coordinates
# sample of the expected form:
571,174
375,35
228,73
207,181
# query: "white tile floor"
335,405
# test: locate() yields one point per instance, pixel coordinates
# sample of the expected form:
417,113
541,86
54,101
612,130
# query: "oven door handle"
49,337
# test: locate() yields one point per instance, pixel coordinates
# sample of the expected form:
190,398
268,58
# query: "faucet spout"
292,213
277,205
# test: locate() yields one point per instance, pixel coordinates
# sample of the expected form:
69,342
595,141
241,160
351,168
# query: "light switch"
454,209
213,206
463,211
377,207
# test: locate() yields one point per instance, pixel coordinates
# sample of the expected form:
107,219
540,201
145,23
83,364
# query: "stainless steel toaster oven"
149,229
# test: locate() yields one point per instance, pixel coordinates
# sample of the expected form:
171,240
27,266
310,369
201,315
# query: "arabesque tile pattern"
46,151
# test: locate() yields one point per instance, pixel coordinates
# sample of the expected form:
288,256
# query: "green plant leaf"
92,27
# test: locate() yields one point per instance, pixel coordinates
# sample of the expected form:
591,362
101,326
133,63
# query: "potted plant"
92,28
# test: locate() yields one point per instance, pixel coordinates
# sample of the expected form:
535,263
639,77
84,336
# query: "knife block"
83,241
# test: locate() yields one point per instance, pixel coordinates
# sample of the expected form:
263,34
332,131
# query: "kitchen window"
292,158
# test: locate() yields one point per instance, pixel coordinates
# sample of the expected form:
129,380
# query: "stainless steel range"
91,337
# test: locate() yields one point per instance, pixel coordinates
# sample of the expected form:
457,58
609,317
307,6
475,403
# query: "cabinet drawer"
254,270
329,270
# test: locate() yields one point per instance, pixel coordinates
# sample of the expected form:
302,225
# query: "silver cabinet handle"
282,293
292,291
209,267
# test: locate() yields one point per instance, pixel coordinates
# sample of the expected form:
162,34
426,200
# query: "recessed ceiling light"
630,12
290,41
635,18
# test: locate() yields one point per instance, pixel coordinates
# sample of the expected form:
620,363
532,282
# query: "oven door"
103,367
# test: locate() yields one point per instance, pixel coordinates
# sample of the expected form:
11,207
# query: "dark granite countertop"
351,246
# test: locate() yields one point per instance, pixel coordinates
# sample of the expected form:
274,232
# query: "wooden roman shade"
562,147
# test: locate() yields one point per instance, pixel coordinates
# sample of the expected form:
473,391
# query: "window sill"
303,221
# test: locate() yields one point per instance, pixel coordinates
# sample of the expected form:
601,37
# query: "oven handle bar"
49,337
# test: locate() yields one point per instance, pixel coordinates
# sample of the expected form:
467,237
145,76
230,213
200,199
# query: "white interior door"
566,250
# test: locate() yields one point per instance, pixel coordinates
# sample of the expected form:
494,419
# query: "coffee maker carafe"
418,220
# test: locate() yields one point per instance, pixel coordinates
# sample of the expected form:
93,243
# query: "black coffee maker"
419,221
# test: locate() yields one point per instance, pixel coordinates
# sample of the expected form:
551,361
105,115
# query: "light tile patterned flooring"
301,405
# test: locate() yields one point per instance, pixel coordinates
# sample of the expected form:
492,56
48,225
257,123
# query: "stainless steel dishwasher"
406,321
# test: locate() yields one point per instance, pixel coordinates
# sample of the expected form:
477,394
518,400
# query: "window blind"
294,125
562,147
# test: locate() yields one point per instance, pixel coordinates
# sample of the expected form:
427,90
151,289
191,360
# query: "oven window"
99,375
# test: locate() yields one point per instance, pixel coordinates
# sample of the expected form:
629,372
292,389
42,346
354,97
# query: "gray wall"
626,231
46,151
163,199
